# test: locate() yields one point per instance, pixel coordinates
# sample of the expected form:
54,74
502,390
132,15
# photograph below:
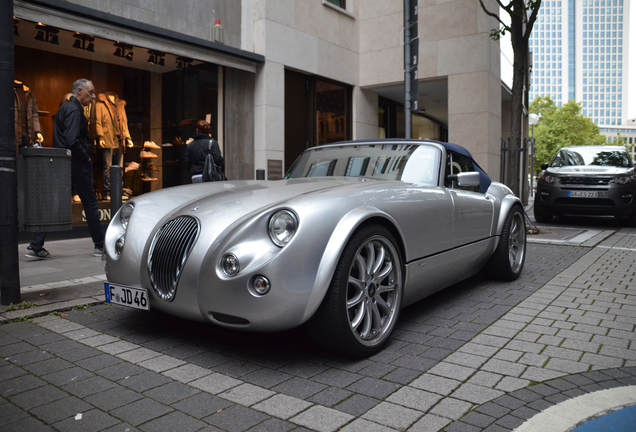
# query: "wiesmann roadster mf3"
352,234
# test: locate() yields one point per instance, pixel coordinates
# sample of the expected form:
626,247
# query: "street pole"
9,265
407,69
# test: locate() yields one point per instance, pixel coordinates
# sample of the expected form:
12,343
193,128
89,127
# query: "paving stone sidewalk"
482,356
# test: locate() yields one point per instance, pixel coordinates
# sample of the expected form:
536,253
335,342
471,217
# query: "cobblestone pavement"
480,355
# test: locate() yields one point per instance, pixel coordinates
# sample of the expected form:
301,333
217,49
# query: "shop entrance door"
298,117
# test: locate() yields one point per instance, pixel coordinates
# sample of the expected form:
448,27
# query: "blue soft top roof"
485,182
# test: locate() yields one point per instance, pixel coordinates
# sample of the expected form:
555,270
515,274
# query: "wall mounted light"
156,58
47,34
183,62
84,42
15,26
124,51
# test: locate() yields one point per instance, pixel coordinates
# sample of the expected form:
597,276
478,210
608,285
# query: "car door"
473,211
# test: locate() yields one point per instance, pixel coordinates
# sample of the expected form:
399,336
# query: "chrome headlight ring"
124,217
282,227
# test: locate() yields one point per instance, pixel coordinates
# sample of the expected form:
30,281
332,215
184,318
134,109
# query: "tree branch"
496,16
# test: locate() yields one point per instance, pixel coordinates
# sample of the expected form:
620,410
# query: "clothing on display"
112,135
27,120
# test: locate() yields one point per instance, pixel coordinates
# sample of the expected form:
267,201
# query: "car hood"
228,202
589,170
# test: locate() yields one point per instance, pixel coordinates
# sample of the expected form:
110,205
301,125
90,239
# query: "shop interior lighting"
183,62
15,26
156,58
84,42
47,34
124,51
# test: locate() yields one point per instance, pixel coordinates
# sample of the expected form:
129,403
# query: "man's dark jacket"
70,130
196,152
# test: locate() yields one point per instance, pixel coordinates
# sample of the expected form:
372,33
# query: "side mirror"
544,166
466,179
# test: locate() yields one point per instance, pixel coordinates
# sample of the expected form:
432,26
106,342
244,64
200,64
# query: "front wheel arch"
362,305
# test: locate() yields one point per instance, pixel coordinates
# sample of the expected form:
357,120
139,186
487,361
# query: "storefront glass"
158,96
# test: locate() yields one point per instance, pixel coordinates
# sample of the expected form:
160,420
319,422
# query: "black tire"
541,216
362,305
507,261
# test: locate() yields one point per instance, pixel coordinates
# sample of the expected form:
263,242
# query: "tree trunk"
520,48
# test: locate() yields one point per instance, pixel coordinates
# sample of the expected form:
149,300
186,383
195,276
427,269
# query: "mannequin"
27,122
111,130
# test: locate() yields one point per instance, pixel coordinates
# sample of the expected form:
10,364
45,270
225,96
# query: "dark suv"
587,180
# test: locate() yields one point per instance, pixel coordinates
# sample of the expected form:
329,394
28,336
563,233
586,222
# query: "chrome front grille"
586,181
169,252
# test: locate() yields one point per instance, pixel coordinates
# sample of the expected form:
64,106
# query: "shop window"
331,112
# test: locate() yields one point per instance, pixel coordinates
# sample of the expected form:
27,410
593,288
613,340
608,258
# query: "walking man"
70,131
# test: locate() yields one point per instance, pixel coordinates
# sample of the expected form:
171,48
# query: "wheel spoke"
379,260
383,306
367,322
358,317
355,300
357,283
376,319
370,260
385,272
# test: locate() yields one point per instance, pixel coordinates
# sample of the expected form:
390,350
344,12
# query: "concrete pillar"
269,114
474,116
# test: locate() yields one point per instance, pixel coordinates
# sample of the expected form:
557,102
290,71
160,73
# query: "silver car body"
444,234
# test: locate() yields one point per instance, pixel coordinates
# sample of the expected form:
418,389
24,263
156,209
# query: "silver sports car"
354,232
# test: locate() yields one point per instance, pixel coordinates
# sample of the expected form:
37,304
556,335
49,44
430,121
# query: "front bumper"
612,199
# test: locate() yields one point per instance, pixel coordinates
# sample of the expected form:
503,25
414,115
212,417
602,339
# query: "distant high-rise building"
580,51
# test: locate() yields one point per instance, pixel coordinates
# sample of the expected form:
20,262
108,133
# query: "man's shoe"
98,251
151,144
76,198
41,254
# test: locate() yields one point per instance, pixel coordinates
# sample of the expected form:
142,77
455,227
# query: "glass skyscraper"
580,51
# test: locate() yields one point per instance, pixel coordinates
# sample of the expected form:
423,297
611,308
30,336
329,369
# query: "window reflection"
410,163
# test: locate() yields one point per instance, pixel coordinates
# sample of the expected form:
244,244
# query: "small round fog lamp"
261,285
230,264
119,246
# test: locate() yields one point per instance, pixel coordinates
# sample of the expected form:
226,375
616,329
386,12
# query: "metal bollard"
115,188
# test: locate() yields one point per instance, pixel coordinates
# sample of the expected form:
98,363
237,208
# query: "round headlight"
124,215
230,264
282,227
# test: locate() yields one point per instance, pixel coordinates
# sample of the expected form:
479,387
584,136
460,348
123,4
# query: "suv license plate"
582,194
127,296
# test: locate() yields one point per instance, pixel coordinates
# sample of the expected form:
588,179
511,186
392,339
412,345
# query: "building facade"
581,52
273,77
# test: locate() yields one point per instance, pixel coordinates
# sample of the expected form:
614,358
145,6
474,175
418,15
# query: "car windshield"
592,156
410,163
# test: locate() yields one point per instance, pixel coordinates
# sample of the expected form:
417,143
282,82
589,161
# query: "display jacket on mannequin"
110,118
27,122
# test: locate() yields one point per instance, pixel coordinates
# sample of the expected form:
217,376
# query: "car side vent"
169,252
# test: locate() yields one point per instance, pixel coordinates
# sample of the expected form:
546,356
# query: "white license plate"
127,296
582,194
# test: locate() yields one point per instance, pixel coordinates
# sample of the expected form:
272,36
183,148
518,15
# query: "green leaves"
561,126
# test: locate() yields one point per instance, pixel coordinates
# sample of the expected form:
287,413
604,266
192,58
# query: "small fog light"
230,264
119,246
261,285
